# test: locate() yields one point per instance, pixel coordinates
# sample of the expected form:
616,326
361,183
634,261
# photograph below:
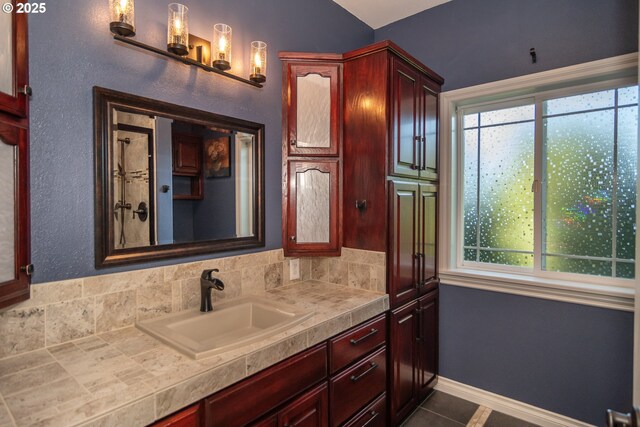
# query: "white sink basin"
231,324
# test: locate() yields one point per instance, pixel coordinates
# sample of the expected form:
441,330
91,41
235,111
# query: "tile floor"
444,410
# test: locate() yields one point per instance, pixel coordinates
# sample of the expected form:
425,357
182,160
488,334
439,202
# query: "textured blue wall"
470,42
71,50
570,359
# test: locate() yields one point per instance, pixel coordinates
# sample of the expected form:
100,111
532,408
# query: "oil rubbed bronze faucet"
208,282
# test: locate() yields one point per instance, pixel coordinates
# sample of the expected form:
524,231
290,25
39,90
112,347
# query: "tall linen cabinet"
390,198
377,165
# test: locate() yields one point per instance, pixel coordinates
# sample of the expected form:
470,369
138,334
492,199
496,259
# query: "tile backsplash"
63,311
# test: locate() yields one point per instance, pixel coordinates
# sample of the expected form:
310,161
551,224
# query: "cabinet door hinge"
27,269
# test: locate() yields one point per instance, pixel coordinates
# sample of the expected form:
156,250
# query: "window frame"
571,287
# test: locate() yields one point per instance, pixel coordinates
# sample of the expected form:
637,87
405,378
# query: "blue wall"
570,359
567,358
71,50
470,42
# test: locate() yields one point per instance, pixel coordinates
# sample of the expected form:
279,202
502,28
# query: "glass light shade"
178,29
258,62
221,47
122,17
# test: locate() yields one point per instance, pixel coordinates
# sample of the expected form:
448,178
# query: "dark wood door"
428,230
314,113
187,154
312,206
309,410
427,343
428,131
403,356
14,214
405,91
403,241
14,66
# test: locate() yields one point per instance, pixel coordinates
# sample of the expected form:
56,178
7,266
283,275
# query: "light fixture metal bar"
184,60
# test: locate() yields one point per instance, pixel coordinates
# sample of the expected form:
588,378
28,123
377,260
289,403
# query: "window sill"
612,297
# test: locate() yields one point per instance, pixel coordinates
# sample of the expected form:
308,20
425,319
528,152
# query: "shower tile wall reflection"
131,179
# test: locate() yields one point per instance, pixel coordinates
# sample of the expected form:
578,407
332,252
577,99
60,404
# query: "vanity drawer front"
374,415
357,386
252,398
350,346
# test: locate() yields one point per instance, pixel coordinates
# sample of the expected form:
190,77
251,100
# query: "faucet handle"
206,274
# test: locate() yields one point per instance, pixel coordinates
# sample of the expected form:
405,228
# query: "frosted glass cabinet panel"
14,214
314,109
7,212
6,54
312,206
313,189
13,63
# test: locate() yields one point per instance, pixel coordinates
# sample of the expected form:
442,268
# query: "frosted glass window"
588,148
498,172
6,54
7,208
313,206
313,113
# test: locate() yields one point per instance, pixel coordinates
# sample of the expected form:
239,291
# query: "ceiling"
378,13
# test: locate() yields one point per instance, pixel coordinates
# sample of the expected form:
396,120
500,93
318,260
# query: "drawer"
374,415
254,397
357,386
355,343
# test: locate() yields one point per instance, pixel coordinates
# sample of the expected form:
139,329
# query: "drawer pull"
359,340
373,415
373,366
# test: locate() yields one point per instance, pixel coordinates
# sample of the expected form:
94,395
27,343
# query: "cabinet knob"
293,142
25,90
292,238
27,269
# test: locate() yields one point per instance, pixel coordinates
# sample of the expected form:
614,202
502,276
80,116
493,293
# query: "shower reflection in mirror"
163,189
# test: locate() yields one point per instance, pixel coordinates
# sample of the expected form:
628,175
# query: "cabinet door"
14,215
314,109
403,241
403,365
309,410
427,343
427,254
13,62
312,208
428,131
405,139
187,154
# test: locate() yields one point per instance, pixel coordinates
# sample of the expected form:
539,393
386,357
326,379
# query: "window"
549,183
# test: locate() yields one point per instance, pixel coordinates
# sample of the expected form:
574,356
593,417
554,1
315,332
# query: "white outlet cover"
294,269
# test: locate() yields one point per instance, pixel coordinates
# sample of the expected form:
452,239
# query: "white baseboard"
506,405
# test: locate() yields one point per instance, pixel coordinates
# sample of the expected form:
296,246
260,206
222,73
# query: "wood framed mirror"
173,181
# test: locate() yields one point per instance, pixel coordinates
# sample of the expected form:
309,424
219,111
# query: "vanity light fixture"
178,29
221,47
122,27
122,18
258,62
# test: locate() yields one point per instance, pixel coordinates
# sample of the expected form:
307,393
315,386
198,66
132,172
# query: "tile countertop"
126,377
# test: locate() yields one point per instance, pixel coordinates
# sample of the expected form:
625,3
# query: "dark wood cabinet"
187,153
309,410
314,108
189,417
15,267
311,152
405,92
403,363
427,344
427,253
373,415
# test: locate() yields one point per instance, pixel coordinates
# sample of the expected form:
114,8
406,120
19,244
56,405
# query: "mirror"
173,181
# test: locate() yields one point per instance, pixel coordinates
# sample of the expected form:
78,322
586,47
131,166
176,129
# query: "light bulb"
177,24
223,44
257,61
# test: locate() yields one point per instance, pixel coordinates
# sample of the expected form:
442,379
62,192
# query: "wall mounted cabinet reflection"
200,174
15,267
